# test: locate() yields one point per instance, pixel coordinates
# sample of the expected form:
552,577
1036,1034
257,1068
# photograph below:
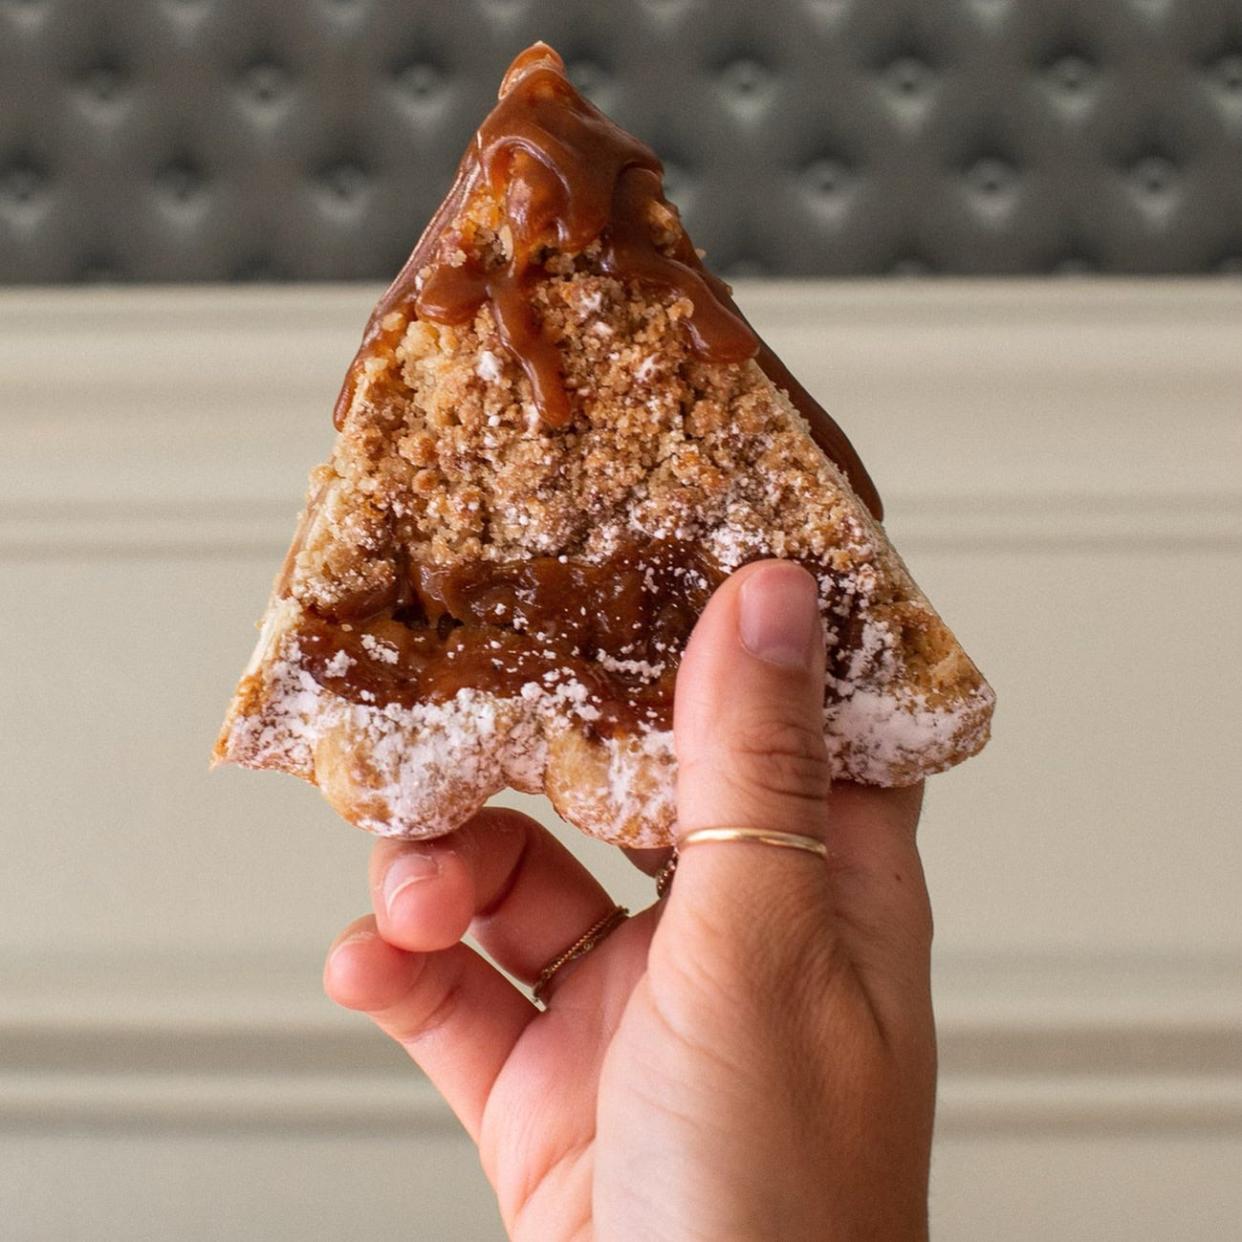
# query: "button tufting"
907,75
827,182
990,176
825,178
21,183
1152,181
1229,72
264,80
1071,72
1012,142
342,190
344,181
906,84
993,185
179,180
1153,175
1069,77
419,79
745,77
104,80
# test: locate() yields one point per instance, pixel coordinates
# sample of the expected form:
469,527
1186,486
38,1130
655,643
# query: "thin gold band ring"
594,935
760,836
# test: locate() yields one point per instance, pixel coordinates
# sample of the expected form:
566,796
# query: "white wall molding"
184,421
1028,1045
1013,393
1062,466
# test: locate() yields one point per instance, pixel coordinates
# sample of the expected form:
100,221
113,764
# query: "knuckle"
780,756
428,1001
437,1012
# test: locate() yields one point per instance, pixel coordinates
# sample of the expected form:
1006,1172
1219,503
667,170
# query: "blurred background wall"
220,140
1061,461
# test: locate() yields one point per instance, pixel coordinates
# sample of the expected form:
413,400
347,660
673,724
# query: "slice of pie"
558,436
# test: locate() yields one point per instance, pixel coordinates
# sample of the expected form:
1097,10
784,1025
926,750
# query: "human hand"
751,1058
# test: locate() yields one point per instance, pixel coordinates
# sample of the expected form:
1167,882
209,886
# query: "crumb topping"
442,460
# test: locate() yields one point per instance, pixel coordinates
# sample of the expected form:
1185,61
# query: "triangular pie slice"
558,436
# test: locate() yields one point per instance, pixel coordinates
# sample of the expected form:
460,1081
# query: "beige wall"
1063,469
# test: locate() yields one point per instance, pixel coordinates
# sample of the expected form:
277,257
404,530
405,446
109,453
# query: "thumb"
749,728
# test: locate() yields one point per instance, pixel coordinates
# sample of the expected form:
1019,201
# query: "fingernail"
408,870
778,616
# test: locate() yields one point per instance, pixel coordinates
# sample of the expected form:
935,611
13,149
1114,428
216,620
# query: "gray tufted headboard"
149,140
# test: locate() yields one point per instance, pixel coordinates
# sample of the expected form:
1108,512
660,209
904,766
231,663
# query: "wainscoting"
1062,464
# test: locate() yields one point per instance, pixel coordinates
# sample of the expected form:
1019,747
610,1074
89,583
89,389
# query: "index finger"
879,893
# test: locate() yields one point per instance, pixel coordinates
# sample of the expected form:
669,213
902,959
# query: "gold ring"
761,836
664,877
593,936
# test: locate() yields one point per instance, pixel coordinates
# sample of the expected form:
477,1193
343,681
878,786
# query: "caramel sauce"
608,635
616,628
568,176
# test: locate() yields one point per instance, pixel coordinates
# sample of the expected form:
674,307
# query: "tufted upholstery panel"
310,139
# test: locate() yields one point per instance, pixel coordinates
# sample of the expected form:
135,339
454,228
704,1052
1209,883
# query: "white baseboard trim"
1028,1046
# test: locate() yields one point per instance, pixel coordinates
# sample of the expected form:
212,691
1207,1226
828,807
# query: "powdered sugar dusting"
489,368
628,795
284,734
642,669
642,785
437,763
734,545
339,665
879,738
379,650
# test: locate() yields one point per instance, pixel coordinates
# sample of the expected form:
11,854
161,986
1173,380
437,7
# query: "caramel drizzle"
568,176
